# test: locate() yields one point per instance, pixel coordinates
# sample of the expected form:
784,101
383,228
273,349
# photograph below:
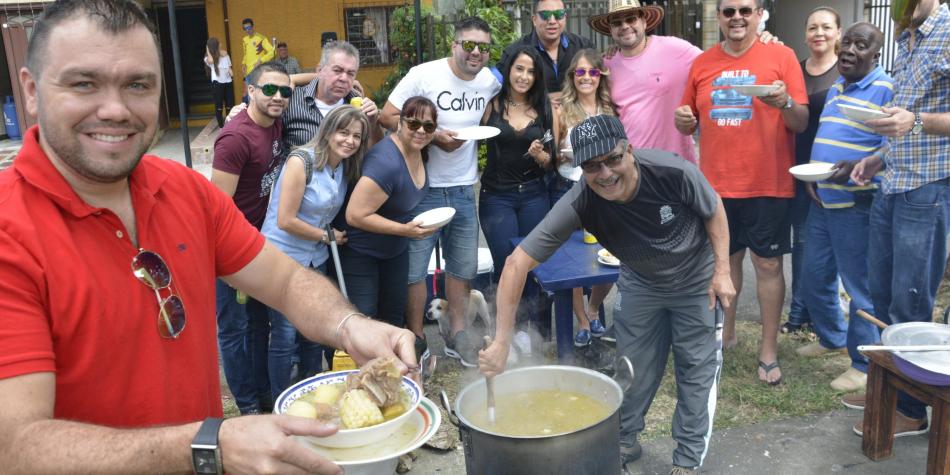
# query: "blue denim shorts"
459,238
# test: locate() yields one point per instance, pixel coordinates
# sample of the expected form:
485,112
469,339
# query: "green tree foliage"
437,36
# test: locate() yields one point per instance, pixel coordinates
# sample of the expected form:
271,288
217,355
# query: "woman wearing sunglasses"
306,197
378,217
585,93
513,197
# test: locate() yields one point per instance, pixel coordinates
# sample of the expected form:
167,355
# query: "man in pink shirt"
647,78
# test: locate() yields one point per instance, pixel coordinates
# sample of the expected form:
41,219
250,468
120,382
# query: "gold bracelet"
339,327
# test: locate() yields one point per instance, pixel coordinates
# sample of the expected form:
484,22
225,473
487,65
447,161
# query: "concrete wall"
787,20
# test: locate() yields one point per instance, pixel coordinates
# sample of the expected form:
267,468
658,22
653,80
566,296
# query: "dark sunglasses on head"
593,72
730,12
628,19
414,124
470,46
150,269
591,166
270,89
558,14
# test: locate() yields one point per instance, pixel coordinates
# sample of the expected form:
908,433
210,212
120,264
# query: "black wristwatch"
205,452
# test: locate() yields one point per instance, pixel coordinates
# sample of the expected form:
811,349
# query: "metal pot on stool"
593,450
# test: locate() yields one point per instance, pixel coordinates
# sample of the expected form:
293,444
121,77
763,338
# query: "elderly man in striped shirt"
910,216
837,227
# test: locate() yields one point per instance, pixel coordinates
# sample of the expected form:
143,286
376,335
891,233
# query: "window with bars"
368,30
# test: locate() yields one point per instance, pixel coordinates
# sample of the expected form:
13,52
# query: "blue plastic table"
573,265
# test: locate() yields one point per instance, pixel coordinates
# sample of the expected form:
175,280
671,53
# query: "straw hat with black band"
652,15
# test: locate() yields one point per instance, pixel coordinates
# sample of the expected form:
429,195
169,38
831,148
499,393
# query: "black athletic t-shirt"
659,235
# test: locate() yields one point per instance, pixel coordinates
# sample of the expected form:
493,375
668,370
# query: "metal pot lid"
921,333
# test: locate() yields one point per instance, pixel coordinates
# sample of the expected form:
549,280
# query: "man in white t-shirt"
460,86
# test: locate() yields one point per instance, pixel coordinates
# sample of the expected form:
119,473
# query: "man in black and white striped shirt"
333,86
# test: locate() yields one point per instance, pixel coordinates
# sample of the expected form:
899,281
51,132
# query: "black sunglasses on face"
270,89
470,46
730,12
414,124
626,20
150,269
592,167
546,15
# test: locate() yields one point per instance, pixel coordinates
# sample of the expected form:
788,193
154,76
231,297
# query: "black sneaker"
610,335
790,328
630,454
461,348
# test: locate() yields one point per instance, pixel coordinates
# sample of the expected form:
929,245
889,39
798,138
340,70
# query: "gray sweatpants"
647,324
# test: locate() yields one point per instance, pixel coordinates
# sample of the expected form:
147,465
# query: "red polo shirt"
70,304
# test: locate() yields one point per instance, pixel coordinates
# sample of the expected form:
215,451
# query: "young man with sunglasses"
659,216
247,160
108,358
747,145
257,48
556,46
460,86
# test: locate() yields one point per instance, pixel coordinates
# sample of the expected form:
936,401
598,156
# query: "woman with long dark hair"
513,197
308,194
222,86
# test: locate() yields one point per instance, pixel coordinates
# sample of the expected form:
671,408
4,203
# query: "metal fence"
878,12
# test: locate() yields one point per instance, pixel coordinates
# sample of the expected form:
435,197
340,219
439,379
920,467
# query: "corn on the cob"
358,410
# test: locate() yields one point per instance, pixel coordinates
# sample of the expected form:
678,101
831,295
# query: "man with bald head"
837,226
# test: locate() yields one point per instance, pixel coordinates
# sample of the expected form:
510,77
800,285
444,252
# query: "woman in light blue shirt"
306,197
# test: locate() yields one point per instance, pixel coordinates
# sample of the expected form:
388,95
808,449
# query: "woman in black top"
823,37
513,197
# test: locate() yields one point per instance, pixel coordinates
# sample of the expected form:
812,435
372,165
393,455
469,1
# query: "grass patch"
743,399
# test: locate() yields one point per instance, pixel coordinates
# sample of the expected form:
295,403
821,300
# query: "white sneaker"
522,341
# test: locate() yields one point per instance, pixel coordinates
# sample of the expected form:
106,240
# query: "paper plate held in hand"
861,114
479,132
436,218
816,171
755,90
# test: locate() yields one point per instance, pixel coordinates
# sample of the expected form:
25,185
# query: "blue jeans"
908,255
285,342
798,311
557,186
838,245
377,287
242,337
459,237
508,214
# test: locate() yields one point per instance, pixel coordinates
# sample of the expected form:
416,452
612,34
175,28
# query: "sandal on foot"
767,368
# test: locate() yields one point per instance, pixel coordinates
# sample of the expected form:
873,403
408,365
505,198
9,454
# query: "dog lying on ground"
477,309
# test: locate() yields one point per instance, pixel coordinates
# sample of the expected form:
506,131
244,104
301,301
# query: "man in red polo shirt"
746,146
108,259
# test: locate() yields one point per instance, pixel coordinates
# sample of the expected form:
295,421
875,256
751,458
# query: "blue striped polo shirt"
840,138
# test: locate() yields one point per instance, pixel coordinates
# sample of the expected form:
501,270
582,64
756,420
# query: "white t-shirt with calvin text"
460,104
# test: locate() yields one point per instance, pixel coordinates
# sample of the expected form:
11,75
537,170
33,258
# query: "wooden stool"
880,412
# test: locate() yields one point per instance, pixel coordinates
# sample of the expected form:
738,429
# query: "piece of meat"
380,378
327,413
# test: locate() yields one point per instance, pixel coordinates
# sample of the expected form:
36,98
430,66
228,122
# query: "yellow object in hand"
356,102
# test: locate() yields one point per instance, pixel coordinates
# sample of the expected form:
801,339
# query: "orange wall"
299,23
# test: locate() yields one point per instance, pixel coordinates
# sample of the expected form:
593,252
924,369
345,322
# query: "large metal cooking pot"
931,367
593,450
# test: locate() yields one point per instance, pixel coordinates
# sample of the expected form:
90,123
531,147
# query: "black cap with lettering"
596,136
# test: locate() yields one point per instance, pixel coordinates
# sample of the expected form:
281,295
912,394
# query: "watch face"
204,461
